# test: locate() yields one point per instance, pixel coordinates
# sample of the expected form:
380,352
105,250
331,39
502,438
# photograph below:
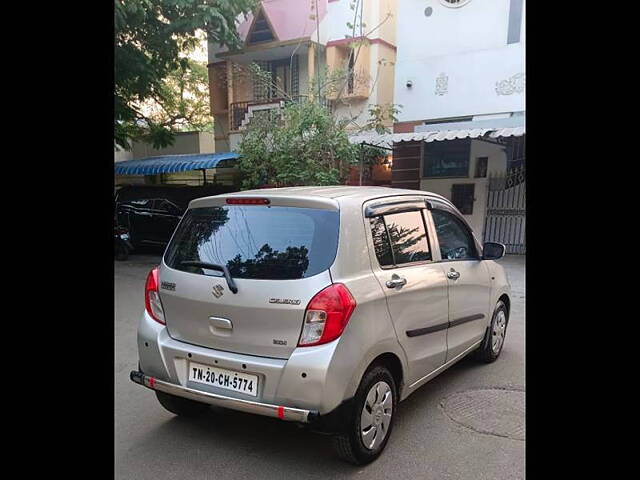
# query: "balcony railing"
239,110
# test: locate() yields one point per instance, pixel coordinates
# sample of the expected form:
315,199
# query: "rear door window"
381,242
280,243
400,238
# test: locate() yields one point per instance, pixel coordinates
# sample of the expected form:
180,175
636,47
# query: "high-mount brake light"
152,301
327,315
248,201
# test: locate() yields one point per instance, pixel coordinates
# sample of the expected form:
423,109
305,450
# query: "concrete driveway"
467,423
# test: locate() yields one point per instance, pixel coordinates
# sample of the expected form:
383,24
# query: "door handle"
396,281
453,275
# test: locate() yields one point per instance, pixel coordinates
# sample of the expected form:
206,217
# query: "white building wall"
340,14
472,84
337,17
466,48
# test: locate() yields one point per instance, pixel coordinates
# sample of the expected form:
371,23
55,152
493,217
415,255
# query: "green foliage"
372,155
181,103
150,36
402,238
302,145
379,115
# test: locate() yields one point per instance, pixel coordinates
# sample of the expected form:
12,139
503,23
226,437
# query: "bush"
302,144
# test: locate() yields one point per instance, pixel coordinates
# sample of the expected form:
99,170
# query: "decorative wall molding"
454,3
442,84
513,84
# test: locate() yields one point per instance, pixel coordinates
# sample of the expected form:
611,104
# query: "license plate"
222,378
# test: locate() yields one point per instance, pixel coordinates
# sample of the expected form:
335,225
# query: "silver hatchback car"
320,305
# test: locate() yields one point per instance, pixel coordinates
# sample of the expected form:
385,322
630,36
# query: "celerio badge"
284,301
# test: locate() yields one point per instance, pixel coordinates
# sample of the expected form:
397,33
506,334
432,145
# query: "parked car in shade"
320,305
152,212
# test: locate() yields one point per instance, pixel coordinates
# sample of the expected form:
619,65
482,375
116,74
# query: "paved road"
446,430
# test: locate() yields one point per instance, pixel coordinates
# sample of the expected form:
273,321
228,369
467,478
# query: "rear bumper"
309,379
266,409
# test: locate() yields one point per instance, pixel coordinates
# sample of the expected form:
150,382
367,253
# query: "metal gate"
505,221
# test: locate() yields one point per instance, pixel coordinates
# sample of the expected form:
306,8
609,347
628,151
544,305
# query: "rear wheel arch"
392,363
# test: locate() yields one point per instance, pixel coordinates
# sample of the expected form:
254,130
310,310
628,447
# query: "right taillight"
327,315
152,297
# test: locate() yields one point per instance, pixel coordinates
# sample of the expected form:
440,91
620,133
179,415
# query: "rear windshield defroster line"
256,242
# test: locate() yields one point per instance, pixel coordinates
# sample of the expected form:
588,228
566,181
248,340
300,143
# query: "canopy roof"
388,139
175,163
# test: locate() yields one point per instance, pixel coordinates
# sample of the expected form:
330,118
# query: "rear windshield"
269,243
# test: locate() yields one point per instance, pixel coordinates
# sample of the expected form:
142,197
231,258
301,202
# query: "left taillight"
327,315
152,297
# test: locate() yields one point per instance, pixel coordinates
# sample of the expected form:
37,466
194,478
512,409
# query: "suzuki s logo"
217,290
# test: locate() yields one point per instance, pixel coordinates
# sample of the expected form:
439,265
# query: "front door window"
456,242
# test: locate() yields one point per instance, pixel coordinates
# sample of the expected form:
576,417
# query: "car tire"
122,253
493,341
372,392
181,406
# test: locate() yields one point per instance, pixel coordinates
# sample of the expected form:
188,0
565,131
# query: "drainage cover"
492,411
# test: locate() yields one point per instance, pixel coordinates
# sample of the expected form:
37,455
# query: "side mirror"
493,251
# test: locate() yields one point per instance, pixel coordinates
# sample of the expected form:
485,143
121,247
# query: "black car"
152,212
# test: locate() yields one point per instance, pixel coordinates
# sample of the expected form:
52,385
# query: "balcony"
242,112
357,83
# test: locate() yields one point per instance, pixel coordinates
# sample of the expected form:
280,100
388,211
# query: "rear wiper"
213,266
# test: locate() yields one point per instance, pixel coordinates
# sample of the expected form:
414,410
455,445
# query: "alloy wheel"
375,419
498,332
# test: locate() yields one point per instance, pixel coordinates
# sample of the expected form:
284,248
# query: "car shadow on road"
251,445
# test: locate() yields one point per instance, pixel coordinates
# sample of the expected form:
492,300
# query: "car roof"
338,192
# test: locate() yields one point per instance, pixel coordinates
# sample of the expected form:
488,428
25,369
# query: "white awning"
388,139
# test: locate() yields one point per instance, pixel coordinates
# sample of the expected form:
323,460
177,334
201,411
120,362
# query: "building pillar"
311,66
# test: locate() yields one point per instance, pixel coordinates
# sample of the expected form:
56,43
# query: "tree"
150,36
402,238
304,144
301,145
182,101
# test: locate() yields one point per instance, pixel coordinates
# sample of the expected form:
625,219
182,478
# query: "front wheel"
121,252
371,421
493,341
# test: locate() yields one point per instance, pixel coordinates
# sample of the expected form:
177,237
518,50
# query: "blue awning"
175,163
